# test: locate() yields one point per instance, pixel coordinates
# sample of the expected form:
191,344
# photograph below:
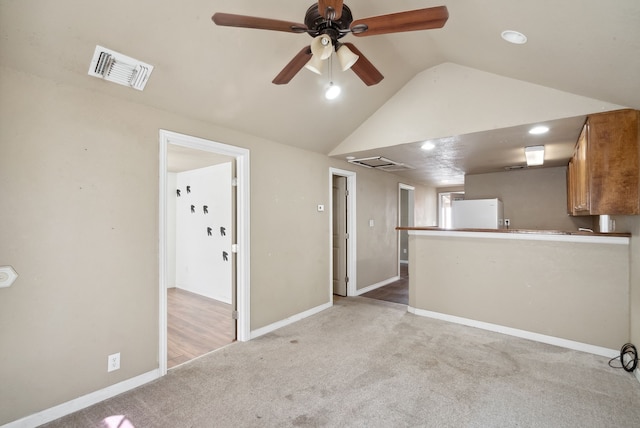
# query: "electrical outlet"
113,362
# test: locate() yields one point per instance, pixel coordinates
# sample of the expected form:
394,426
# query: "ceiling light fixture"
539,130
321,46
346,57
428,145
534,155
315,64
514,37
333,91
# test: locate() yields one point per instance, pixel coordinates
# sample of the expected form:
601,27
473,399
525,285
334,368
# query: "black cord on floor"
628,358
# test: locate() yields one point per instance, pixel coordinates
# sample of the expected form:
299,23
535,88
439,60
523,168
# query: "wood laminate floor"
397,291
195,325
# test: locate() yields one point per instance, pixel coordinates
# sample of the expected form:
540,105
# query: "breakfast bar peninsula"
566,288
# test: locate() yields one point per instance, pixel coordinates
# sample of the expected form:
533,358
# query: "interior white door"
340,235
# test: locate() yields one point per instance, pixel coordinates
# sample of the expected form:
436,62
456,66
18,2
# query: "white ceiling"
223,75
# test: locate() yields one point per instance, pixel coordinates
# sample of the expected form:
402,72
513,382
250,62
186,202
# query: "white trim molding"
537,337
285,322
83,402
241,156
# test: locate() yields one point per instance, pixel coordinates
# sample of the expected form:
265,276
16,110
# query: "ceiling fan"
327,21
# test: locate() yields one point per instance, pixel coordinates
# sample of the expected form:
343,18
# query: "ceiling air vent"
514,167
121,69
374,162
396,168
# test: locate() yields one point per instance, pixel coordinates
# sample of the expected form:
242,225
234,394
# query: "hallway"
397,292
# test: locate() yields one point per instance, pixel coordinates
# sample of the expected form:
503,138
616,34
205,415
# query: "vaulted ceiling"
223,75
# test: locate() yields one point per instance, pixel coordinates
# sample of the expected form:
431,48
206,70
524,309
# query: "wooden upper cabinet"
571,197
604,173
582,201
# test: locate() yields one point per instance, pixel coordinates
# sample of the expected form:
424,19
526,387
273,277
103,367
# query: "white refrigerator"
477,214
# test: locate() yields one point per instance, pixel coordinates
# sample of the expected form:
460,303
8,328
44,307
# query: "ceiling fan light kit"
315,64
327,21
332,92
346,57
322,47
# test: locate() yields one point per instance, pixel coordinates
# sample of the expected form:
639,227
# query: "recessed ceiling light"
514,37
539,130
428,145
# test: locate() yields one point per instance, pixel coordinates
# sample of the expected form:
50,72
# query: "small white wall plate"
7,276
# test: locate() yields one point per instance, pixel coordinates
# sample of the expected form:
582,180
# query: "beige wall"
377,248
574,291
533,198
461,100
635,281
631,224
79,174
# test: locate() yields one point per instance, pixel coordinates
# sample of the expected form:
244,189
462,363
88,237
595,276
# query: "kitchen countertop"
519,231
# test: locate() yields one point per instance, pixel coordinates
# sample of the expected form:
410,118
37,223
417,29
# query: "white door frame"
401,187
242,212
351,230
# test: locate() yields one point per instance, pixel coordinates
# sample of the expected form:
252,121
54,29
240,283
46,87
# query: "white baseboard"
551,340
377,285
297,317
85,401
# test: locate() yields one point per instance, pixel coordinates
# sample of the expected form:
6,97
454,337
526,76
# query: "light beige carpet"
368,363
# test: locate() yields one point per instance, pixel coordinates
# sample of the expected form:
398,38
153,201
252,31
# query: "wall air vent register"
118,68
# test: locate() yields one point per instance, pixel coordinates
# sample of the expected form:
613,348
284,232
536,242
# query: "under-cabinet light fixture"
534,155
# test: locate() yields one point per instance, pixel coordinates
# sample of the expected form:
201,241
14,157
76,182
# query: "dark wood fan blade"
364,69
295,65
412,20
336,5
231,20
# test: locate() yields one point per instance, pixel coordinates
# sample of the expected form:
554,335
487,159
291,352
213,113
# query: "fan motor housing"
335,29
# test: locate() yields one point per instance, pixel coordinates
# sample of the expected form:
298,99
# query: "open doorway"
398,290
444,207
200,266
204,247
405,219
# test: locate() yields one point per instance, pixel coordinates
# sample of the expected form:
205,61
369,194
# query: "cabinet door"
571,184
613,163
581,168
